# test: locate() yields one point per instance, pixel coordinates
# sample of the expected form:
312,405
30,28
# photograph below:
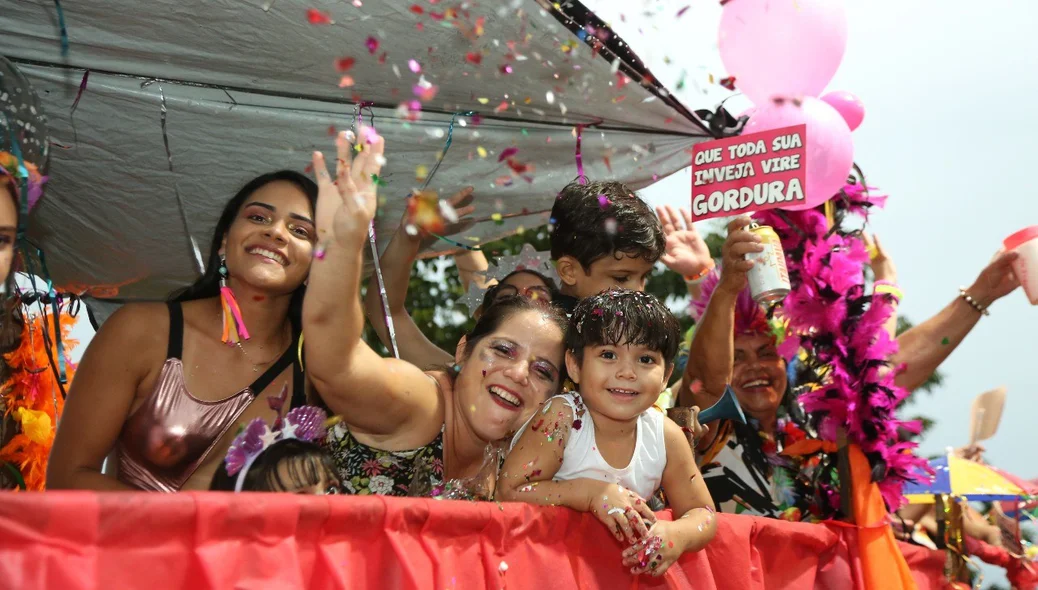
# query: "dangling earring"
233,326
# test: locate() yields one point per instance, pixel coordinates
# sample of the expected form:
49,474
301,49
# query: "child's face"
619,381
614,270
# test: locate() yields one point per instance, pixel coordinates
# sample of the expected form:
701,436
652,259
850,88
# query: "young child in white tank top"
606,449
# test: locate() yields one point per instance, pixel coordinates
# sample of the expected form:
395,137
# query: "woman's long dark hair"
208,285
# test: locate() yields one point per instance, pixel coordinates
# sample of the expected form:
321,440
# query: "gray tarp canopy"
251,86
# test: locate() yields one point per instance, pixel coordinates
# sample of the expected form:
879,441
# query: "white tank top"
581,458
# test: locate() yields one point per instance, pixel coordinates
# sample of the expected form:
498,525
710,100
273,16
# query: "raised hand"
686,253
346,206
996,280
461,203
882,264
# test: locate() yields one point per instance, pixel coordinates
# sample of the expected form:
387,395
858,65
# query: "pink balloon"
849,106
787,48
830,149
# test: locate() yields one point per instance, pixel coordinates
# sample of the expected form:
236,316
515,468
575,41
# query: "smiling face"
509,372
616,270
8,227
758,375
270,244
619,381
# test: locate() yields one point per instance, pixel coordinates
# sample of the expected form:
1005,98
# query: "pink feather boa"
842,328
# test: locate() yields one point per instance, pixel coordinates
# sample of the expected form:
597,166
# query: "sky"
949,135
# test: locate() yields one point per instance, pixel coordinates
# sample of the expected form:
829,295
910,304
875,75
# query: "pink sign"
739,175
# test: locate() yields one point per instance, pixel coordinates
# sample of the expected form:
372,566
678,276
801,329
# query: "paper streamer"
59,365
176,188
64,31
22,179
75,105
358,117
580,157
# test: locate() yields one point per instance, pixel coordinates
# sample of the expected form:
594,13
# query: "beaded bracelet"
973,302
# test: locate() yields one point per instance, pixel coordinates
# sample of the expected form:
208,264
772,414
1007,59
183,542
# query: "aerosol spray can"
769,279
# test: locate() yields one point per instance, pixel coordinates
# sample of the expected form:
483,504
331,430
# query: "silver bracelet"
973,302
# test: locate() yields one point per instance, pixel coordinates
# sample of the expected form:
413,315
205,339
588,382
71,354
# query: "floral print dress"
365,470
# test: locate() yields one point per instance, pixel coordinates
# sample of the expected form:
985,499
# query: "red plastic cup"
1025,267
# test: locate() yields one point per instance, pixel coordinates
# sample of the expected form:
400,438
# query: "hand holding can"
769,278
739,244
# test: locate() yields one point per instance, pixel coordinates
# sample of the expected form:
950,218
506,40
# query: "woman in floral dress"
404,429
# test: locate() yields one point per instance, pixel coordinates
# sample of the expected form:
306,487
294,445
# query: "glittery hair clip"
305,423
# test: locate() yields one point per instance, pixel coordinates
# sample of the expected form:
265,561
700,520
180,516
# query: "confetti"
425,91
343,64
497,218
507,153
503,567
421,172
372,44
346,82
481,151
550,97
414,66
423,211
483,100
474,57
610,226
417,9
501,107
316,17
945,341
505,69
728,83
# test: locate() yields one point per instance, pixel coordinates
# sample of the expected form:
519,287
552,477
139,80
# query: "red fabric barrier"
83,540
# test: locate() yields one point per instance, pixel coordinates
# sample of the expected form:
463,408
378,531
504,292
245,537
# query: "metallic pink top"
165,440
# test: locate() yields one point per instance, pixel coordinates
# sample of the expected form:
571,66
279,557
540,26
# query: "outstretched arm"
396,262
885,273
924,347
694,523
376,395
711,353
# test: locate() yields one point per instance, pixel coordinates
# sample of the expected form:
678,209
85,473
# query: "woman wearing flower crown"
165,385
397,419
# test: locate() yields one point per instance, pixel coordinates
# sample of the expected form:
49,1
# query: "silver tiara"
527,259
